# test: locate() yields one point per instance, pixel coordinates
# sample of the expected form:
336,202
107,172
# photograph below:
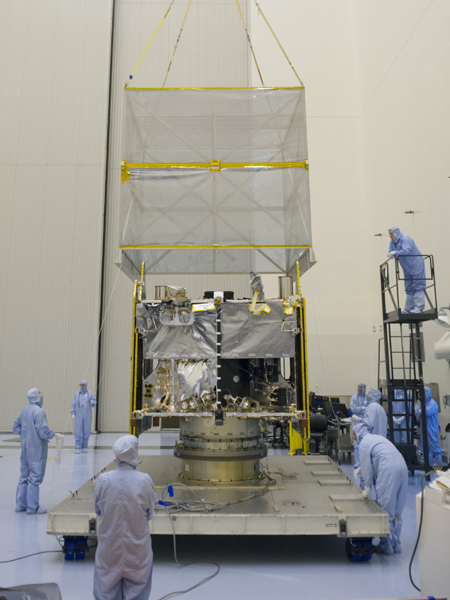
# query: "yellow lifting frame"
213,166
150,42
168,89
133,357
278,42
211,247
248,38
137,294
296,442
178,39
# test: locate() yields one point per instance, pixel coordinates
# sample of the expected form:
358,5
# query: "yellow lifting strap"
213,166
149,44
249,41
278,41
178,39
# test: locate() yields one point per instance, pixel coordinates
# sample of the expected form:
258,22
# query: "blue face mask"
41,400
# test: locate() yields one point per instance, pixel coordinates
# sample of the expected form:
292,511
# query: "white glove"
357,472
398,420
366,493
355,418
73,416
346,421
92,403
392,254
59,436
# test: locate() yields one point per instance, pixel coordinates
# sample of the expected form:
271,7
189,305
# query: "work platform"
311,496
396,316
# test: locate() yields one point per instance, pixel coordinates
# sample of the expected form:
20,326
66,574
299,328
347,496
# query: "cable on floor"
174,506
2,562
445,468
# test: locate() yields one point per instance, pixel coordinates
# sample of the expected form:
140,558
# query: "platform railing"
393,295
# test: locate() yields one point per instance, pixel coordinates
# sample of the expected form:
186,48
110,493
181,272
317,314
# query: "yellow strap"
148,45
211,247
260,307
155,89
249,41
251,306
178,39
298,281
204,306
278,42
213,166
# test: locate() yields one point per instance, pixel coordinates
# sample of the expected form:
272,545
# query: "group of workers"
124,499
35,434
378,463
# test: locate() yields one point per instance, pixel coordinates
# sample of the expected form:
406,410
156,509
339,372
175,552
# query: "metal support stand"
403,358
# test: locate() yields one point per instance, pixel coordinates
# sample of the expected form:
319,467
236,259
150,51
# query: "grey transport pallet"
312,496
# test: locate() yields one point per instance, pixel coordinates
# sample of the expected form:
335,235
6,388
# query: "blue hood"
428,394
83,382
34,397
397,233
373,396
363,387
360,430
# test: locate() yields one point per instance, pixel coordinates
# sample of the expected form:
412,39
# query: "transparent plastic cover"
223,168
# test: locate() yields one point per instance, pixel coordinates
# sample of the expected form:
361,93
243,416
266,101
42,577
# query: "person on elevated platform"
404,248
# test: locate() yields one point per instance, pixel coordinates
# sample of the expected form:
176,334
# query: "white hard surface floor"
252,568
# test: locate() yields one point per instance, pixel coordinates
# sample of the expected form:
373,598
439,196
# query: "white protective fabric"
232,206
124,501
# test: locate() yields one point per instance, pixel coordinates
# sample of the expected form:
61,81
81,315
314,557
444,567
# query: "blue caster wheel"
359,549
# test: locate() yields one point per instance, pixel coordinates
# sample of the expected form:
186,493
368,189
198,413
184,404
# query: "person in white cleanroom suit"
124,501
35,434
81,411
375,418
358,402
399,416
403,247
383,467
358,406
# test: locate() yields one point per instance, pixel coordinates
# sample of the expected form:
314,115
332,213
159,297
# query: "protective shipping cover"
215,181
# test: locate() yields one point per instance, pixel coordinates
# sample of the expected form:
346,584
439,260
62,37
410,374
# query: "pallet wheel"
358,549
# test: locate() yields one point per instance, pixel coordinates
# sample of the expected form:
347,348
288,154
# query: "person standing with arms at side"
81,411
124,501
403,247
34,433
432,416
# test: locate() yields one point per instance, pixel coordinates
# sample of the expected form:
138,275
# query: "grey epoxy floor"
252,568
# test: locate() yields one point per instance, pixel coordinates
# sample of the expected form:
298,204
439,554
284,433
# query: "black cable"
28,555
104,216
421,521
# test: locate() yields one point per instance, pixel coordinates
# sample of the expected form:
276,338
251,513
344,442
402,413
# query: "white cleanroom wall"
212,52
377,88
377,78
54,68
319,38
405,132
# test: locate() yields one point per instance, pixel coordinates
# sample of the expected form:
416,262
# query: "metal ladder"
401,352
